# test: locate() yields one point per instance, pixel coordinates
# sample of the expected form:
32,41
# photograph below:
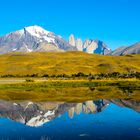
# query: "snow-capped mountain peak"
33,39
40,33
37,31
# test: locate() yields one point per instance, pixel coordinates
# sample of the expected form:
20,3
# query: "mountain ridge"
31,38
132,49
36,39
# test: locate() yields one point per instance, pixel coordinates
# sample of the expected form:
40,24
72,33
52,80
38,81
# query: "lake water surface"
101,120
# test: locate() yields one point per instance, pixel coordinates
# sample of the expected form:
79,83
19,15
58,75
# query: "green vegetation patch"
75,91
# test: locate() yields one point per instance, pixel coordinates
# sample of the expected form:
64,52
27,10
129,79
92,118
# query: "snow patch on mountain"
40,33
30,103
28,50
40,120
37,31
49,39
15,104
14,49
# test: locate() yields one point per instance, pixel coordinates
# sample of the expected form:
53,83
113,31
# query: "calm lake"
101,120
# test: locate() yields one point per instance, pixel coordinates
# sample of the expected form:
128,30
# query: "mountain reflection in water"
45,115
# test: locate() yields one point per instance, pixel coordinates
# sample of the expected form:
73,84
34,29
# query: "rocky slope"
133,49
134,105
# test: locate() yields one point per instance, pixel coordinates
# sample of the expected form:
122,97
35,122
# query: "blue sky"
116,22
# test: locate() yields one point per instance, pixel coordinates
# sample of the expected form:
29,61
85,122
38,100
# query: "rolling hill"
66,63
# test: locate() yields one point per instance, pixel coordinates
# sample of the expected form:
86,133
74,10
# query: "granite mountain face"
89,46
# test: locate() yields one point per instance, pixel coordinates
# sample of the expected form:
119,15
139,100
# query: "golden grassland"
66,63
71,90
